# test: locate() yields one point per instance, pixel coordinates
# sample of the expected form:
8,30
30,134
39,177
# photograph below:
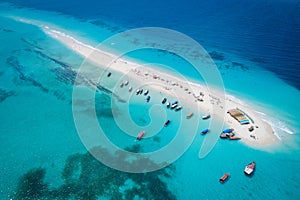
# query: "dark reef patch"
32,186
136,148
100,23
5,94
258,60
31,43
6,30
86,178
62,64
156,139
217,56
232,65
13,61
240,65
65,75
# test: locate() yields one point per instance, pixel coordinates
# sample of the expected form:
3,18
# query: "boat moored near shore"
228,130
168,105
189,115
204,131
139,91
234,138
146,92
205,116
173,106
178,108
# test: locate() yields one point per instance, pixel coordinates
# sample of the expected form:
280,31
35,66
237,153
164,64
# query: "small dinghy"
140,135
224,177
204,131
167,123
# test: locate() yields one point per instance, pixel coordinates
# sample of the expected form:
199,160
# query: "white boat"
173,106
250,168
205,116
168,105
178,108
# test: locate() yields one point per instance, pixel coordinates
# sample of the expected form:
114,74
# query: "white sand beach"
191,95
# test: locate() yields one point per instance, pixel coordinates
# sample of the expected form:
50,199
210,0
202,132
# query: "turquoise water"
37,128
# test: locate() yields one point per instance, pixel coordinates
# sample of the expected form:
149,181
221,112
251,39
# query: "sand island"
247,126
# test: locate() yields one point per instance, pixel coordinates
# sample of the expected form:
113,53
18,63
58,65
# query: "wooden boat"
249,169
234,138
167,123
140,135
164,101
204,131
205,116
189,115
224,177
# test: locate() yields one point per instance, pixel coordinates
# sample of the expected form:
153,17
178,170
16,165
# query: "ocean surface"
255,45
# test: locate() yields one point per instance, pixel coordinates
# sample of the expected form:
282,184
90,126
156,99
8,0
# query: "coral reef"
87,178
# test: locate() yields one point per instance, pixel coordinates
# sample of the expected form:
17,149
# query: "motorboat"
249,169
178,108
146,92
168,105
205,116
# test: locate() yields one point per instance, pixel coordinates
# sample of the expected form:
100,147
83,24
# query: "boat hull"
224,178
249,169
140,135
167,123
204,131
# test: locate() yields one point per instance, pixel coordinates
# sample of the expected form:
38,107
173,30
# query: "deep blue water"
263,31
37,76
